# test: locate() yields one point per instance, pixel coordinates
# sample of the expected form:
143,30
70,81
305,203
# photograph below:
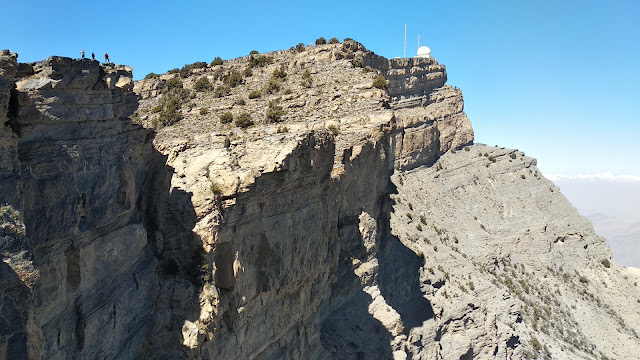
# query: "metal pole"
404,54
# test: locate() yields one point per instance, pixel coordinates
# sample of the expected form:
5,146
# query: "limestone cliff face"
75,167
341,228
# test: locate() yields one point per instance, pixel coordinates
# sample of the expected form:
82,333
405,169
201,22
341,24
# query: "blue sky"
556,79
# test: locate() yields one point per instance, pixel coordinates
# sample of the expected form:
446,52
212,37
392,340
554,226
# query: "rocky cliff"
347,218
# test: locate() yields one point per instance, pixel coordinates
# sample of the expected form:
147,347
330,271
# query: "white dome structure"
424,52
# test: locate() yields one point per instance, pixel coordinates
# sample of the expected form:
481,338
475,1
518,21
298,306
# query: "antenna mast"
404,54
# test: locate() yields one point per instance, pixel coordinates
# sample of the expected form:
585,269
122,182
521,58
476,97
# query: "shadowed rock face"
285,240
76,166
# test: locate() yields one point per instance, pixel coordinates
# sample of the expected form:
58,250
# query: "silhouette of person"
93,56
82,53
106,57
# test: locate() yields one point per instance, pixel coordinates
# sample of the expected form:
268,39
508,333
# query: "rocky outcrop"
509,266
78,174
311,233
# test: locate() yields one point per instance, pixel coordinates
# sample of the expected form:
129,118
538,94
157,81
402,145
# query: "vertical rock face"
79,170
342,232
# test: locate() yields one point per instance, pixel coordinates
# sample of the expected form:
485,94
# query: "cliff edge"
321,202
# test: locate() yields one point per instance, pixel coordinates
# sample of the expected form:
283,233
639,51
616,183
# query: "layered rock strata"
338,228
77,168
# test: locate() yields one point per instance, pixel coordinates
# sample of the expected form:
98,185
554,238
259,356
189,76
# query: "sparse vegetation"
409,216
274,112
215,188
259,60
282,129
300,47
334,40
226,117
151,76
307,81
423,220
188,69
247,72
380,82
419,227
272,86
254,94
321,41
217,61
232,78
222,91
279,73
204,111
244,120
333,129
606,263
357,62
203,84
174,96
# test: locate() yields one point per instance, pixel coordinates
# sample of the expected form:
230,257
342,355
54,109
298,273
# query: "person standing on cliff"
82,53
93,56
106,57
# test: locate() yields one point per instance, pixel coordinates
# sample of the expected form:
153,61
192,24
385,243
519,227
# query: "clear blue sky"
556,79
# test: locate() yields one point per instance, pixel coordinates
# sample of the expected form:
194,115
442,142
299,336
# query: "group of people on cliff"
93,56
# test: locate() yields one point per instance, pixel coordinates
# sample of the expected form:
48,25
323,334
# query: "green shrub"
347,39
187,69
247,72
204,111
419,227
272,86
357,62
244,120
380,82
279,74
409,216
217,61
232,78
254,52
334,40
423,219
536,344
300,47
240,102
254,94
605,263
259,60
170,113
282,129
156,109
203,84
174,95
172,85
215,188
321,41
274,112
307,80
222,91
287,91
173,71
151,76
226,117
334,129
